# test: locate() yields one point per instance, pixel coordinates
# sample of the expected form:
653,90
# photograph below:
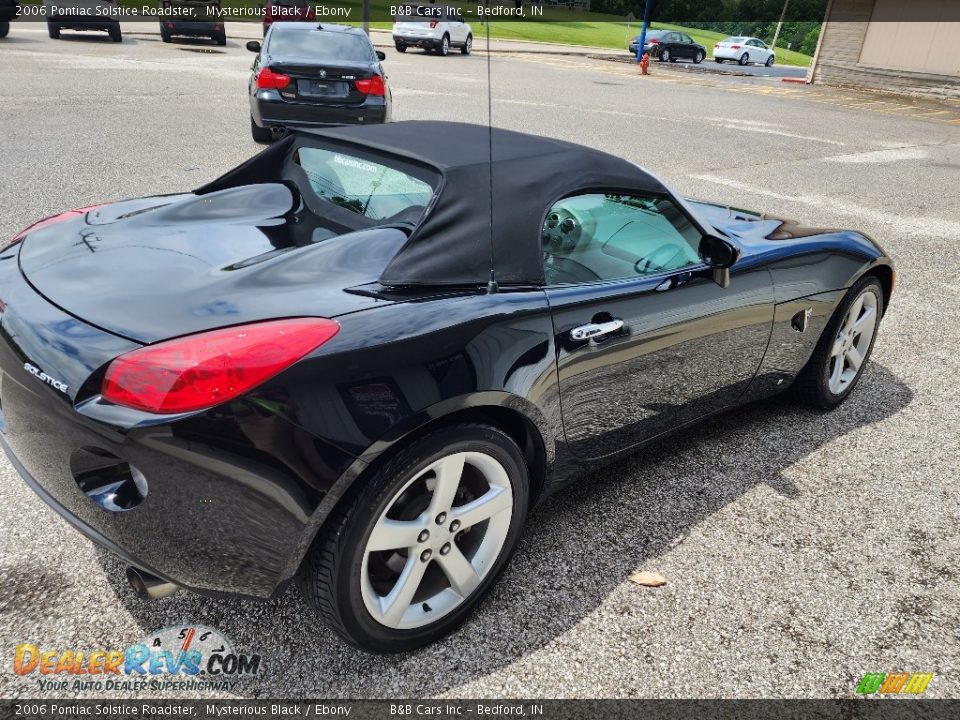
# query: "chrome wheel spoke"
854,358
395,534
448,472
461,574
495,501
837,373
864,322
838,345
853,315
395,604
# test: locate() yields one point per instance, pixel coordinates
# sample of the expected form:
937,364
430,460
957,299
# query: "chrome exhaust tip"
149,587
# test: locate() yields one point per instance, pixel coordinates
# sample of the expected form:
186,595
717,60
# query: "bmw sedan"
309,75
340,365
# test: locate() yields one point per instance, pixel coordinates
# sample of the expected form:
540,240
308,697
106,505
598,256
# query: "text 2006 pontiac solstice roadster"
351,363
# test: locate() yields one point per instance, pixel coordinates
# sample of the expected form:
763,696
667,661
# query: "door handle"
591,331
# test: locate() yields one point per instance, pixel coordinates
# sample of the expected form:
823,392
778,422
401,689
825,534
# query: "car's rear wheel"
770,61
260,135
444,48
718,61
665,56
221,39
844,348
744,59
401,47
53,31
427,535
165,36
4,28
467,46
115,34
698,58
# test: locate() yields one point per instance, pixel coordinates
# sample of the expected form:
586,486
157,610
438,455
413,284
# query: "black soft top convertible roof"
451,245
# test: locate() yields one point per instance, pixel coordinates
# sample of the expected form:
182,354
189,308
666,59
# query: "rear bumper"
77,22
269,110
419,40
191,28
233,494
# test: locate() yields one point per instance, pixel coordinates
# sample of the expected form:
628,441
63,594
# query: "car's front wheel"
844,348
467,46
426,536
770,61
698,58
4,28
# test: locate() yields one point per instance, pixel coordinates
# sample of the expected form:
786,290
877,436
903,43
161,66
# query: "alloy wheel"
852,343
438,539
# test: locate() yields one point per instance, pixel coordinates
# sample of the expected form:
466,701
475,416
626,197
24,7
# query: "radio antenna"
492,286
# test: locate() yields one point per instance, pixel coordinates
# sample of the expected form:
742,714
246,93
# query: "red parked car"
281,10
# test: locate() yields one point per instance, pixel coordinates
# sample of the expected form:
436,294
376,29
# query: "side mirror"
720,255
254,46
381,55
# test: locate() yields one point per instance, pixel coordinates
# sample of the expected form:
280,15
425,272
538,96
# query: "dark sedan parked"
196,18
307,75
8,11
336,364
670,46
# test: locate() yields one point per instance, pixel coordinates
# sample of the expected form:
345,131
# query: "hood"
159,267
751,227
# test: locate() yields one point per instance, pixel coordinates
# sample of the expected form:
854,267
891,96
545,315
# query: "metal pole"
366,16
642,40
783,14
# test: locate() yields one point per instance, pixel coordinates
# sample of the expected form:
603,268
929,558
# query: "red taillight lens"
734,47
270,80
52,220
203,370
654,41
433,24
372,86
717,45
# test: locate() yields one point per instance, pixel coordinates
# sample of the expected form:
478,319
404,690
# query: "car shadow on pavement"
579,547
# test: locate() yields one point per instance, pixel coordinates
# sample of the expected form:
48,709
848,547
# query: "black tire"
443,49
221,39
718,61
812,385
115,34
745,58
665,56
260,135
4,28
770,61
53,31
401,47
165,36
330,578
698,58
467,46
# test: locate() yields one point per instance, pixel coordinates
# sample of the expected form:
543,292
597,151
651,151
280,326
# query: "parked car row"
670,46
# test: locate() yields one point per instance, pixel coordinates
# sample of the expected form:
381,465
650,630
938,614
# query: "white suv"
432,27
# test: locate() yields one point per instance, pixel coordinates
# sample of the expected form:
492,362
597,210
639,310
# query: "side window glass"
594,237
687,39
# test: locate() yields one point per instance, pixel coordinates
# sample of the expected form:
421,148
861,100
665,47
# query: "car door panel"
687,348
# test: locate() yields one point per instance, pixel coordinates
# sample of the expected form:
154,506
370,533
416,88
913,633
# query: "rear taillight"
654,41
734,47
372,86
717,45
433,24
52,220
270,80
203,370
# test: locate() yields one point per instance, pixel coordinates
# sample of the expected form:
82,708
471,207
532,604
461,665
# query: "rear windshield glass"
320,45
375,191
735,40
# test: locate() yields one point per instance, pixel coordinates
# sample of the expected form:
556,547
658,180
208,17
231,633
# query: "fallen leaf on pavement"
648,579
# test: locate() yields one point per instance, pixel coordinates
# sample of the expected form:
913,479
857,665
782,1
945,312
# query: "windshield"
320,45
735,40
375,191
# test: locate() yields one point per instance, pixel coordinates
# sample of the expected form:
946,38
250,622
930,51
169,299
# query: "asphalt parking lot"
801,550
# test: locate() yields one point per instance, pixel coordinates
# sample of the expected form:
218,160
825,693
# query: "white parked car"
744,50
432,27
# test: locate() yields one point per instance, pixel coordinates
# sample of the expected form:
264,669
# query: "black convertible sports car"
350,363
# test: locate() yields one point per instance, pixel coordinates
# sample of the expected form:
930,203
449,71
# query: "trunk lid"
160,267
318,85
